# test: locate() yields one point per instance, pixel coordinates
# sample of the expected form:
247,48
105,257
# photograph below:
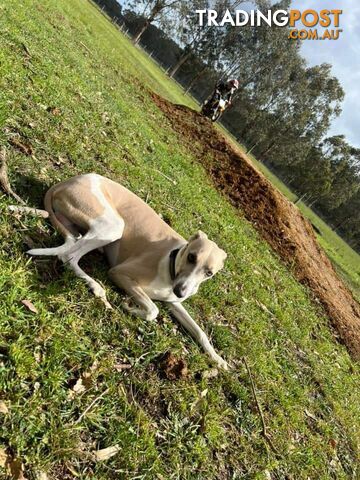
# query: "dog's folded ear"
221,257
197,235
223,254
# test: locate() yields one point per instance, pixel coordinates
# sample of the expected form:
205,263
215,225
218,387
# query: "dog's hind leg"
101,233
73,256
98,236
55,251
94,286
70,253
70,233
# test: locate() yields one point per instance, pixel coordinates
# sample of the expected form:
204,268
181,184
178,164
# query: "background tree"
150,11
206,42
112,7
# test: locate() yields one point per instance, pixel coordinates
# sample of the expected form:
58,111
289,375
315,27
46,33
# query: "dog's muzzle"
179,290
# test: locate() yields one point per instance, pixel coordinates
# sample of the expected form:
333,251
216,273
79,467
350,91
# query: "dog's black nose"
179,290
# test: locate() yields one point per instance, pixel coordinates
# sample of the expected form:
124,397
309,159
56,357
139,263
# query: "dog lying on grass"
148,259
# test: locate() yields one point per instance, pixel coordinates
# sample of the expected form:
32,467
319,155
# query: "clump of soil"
272,214
172,367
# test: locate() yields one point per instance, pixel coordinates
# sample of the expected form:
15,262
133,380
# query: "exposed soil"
172,367
273,215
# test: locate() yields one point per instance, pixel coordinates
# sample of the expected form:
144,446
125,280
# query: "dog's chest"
160,290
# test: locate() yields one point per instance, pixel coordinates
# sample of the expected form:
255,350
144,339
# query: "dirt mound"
273,215
172,367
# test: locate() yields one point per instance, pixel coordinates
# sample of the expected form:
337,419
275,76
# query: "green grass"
78,101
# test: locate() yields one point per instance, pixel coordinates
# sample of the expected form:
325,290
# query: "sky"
344,55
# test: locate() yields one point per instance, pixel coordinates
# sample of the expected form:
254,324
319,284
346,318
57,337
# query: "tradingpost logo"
304,25
328,19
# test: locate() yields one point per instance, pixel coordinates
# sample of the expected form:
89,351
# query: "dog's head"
196,262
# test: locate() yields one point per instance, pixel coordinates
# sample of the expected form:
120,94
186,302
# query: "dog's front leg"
148,310
199,335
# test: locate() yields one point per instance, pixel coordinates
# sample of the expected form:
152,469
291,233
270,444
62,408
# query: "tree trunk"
140,33
249,150
274,140
267,150
342,223
181,61
300,199
194,80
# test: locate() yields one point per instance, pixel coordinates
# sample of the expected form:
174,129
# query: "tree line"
283,109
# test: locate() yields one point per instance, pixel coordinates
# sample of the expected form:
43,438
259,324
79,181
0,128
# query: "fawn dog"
148,259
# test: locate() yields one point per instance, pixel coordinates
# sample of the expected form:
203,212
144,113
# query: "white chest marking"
161,288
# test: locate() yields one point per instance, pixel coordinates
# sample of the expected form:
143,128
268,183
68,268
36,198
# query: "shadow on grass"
31,189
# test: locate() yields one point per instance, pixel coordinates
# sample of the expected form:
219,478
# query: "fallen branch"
165,176
86,48
4,179
27,51
32,211
264,428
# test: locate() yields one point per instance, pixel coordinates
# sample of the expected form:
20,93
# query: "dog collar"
173,256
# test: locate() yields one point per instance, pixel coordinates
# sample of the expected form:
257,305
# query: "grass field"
71,96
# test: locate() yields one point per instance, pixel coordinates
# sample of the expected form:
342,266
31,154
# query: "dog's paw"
149,315
107,304
99,292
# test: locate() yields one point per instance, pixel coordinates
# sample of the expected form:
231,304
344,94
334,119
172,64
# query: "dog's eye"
191,258
208,273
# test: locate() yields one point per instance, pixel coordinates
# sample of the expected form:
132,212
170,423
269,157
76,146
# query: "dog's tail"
48,202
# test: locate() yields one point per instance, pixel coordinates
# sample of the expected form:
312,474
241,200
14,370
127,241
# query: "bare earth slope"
274,216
